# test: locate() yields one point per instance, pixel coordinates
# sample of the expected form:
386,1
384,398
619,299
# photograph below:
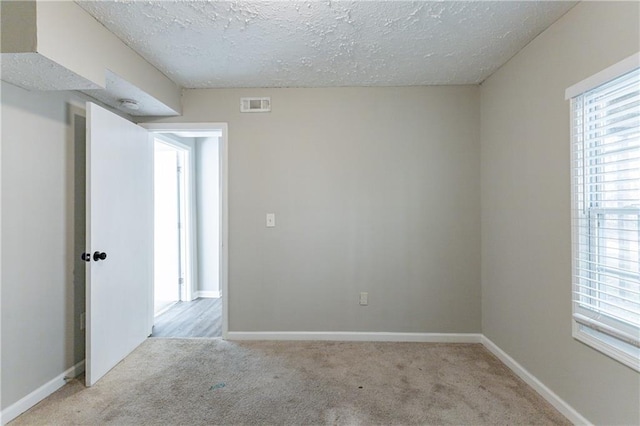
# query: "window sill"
622,352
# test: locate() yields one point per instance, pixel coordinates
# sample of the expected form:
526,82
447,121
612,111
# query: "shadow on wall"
79,234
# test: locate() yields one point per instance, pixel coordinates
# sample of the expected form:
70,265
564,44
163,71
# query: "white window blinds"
606,213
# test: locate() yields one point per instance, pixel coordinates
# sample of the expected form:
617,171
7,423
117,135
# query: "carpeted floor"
195,381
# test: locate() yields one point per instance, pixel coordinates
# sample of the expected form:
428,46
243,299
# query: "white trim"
207,294
611,337
19,407
184,127
600,344
356,336
615,70
224,224
561,405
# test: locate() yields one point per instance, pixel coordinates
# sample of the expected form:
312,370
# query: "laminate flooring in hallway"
198,318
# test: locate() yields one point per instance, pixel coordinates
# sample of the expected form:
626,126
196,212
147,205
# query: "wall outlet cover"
364,299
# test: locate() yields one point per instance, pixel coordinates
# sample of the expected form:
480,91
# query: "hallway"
201,317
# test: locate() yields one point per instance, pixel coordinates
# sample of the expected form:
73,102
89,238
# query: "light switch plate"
271,220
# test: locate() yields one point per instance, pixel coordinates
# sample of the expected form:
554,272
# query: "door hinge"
181,281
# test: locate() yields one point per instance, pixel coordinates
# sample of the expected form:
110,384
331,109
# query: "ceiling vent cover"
255,104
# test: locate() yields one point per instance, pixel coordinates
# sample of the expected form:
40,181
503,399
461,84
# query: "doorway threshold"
199,318
164,309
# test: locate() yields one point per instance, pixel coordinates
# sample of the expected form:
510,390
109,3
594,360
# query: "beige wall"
374,189
526,262
40,317
43,291
18,25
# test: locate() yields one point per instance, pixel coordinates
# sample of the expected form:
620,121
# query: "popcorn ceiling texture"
33,71
325,44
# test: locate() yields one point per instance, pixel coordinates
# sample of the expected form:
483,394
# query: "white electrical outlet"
83,321
364,299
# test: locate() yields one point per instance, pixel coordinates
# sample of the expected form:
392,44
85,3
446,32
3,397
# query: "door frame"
224,198
190,258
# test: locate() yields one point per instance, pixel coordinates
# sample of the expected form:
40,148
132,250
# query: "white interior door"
120,225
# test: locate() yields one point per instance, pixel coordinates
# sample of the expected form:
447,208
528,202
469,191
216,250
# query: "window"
605,140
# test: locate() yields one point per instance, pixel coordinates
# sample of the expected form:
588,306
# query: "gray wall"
40,312
526,236
18,24
208,211
374,189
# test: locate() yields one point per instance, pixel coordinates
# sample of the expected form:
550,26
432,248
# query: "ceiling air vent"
255,104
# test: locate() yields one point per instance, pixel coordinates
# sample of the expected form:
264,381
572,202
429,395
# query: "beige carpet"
191,382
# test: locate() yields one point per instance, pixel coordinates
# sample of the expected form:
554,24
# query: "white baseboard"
206,294
551,397
356,336
17,408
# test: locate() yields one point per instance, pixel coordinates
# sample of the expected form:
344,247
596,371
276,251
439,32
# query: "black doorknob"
99,256
86,257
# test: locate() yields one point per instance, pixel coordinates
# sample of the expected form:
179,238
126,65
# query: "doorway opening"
171,280
190,230
102,336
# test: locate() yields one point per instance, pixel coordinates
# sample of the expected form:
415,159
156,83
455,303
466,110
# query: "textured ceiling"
330,43
33,71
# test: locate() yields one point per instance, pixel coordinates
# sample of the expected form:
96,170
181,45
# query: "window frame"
604,333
